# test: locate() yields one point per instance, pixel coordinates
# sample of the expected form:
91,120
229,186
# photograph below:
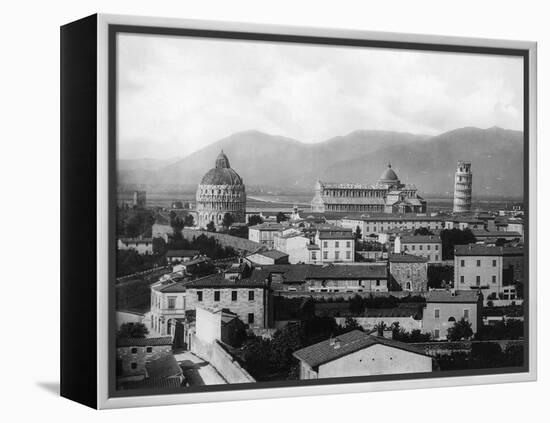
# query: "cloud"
178,94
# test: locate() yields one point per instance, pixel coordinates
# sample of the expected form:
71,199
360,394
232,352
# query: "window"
478,263
437,248
377,282
199,295
413,247
325,255
466,313
461,263
462,279
325,244
494,279
149,349
216,295
428,247
250,318
337,244
348,255
348,244
436,313
134,350
250,295
233,295
436,334
494,263
171,302
133,366
337,255
478,280
420,247
313,255
436,257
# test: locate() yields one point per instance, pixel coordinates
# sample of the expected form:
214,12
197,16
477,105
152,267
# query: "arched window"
452,319
408,286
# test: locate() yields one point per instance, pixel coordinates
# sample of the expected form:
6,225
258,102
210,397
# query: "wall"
407,323
375,360
222,361
208,327
237,243
125,355
127,317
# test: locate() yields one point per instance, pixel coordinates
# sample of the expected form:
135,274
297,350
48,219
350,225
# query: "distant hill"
361,156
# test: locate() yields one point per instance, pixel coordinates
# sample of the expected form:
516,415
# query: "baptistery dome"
221,191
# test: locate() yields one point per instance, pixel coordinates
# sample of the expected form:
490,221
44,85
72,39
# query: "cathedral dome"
389,175
221,174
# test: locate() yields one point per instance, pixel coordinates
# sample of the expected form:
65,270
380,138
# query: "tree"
228,220
189,220
132,330
460,330
452,237
211,227
423,231
255,220
351,324
358,234
281,217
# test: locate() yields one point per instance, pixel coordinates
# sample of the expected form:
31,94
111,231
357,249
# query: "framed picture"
254,211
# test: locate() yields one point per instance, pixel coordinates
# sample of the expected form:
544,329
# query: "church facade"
220,191
388,195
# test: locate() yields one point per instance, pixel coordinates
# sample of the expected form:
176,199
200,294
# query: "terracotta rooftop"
407,258
485,250
348,343
443,296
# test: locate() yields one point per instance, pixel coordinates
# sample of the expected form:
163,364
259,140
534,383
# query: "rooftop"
348,343
407,258
394,218
144,342
335,233
420,239
182,253
485,250
443,296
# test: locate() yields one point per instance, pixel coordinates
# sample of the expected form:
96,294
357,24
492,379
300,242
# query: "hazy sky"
178,94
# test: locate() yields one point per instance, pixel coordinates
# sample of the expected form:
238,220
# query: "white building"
358,354
373,225
294,243
335,245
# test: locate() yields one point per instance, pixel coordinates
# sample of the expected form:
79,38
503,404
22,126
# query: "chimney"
336,343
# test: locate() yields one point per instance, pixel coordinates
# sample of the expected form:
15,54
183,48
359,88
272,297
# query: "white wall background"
29,166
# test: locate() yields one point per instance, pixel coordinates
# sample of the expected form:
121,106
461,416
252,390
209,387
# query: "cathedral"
388,195
220,191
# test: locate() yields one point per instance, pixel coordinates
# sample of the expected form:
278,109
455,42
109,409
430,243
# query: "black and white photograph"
292,211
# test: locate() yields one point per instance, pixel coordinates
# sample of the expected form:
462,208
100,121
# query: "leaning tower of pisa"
463,188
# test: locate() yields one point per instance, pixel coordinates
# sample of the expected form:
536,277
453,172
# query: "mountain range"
429,162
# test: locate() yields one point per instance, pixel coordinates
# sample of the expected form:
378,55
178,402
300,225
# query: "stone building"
134,353
220,191
388,195
409,272
428,246
463,188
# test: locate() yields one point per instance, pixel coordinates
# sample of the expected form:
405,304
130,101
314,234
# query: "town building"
373,225
264,233
408,272
465,222
427,246
143,246
139,199
231,290
268,257
181,256
146,363
294,243
495,271
219,325
357,353
325,278
220,191
445,308
335,245
462,202
388,195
